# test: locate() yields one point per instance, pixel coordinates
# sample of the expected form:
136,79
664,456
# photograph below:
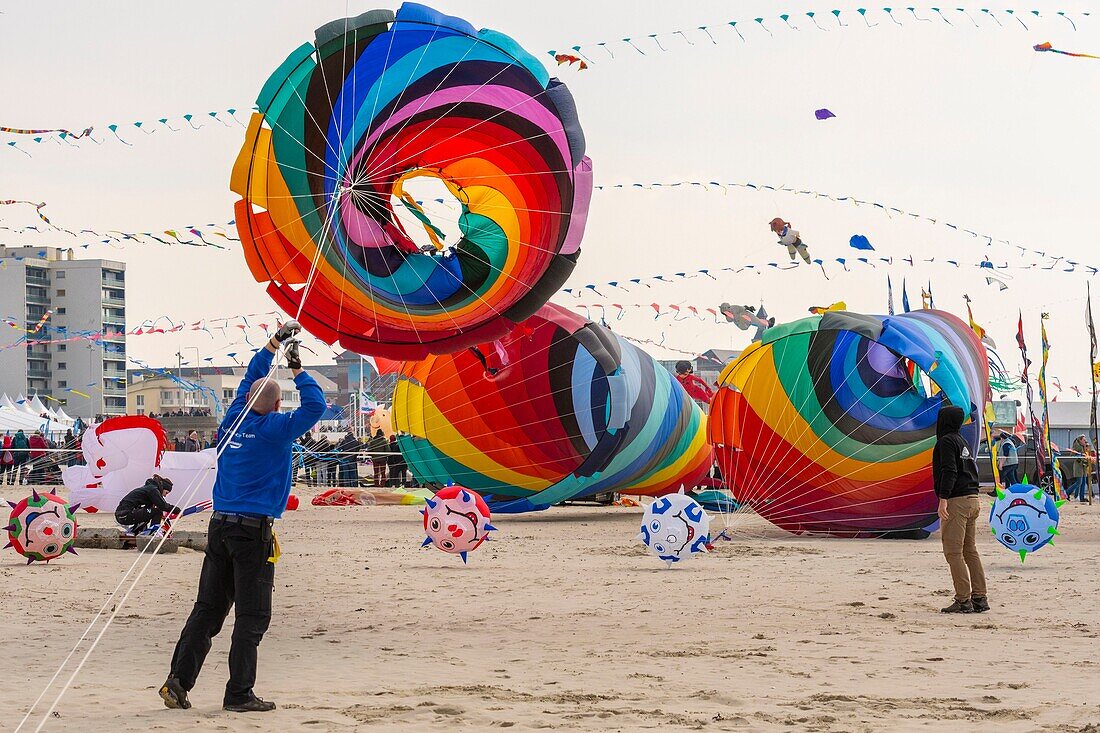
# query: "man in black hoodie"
145,505
955,478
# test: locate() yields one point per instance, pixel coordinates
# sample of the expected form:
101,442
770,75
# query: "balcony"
38,373
108,300
115,336
38,299
40,280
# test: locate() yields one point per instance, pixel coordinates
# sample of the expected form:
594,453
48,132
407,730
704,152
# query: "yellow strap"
276,550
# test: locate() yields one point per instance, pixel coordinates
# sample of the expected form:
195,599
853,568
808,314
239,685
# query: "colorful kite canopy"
344,125
559,408
827,424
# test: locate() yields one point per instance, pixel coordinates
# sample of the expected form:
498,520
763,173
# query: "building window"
60,311
60,365
140,400
62,384
61,347
165,396
227,395
61,293
60,274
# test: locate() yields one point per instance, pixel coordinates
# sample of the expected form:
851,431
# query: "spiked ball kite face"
1024,518
42,527
456,520
675,527
327,214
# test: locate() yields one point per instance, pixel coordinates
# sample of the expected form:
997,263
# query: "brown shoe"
959,607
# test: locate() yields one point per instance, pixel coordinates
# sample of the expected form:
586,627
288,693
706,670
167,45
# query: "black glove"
288,329
293,358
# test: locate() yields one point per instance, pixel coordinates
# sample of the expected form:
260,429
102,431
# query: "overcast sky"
961,123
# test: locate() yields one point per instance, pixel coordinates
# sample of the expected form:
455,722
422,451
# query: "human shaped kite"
790,238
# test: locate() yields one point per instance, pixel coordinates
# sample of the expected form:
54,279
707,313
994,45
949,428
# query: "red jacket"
696,388
38,446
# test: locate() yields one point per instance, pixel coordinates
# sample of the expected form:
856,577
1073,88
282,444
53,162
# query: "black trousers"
1009,474
236,572
139,518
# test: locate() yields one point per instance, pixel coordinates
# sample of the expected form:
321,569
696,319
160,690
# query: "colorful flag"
1056,474
1036,432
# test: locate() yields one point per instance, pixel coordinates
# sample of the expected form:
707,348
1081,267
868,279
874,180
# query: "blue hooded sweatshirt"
254,466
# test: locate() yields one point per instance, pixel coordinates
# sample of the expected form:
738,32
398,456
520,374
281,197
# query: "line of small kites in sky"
115,237
652,41
63,136
159,325
179,236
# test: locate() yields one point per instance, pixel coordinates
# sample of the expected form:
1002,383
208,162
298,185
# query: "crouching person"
145,506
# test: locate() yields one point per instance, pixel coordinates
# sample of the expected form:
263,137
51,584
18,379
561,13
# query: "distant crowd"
190,412
35,457
318,461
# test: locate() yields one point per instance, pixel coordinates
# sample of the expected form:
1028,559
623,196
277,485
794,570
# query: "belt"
242,519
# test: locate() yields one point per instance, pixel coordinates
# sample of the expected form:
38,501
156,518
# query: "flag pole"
1092,390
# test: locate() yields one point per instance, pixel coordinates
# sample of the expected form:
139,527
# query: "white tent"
63,417
35,404
12,420
6,401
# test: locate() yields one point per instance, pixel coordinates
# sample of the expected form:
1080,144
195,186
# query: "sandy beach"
565,623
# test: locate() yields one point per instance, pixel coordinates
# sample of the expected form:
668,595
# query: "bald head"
265,396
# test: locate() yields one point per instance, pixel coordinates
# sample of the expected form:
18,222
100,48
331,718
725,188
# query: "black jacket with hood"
954,472
147,495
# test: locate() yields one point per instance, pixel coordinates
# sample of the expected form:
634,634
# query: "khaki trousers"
959,534
800,249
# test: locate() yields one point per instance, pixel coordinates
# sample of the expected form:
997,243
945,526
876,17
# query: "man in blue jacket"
250,493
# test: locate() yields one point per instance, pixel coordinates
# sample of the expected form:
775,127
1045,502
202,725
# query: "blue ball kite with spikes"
1024,518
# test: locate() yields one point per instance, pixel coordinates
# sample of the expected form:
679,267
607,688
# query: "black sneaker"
173,694
957,607
252,705
980,603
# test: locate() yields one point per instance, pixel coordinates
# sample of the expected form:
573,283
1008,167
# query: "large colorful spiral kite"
827,424
346,122
559,408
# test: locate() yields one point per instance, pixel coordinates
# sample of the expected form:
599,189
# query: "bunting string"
596,53
118,131
583,56
160,325
888,209
205,234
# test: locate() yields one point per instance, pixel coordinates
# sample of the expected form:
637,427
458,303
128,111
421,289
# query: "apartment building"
57,361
